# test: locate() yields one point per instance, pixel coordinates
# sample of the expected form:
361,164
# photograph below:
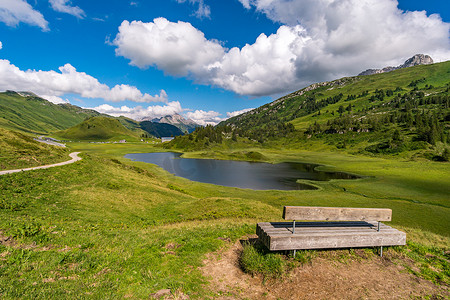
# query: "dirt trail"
73,155
323,278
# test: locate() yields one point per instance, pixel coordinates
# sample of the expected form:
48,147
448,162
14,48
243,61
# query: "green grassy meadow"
21,151
107,227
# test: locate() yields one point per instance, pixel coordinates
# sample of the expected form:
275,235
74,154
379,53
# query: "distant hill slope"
160,129
98,128
147,128
403,110
20,151
28,113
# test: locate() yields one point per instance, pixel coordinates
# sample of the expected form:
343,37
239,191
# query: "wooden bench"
344,228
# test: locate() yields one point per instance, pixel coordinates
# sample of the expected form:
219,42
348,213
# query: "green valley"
109,227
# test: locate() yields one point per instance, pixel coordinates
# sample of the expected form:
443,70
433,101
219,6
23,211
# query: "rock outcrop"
418,59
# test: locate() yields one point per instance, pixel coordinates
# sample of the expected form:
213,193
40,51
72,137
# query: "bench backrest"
336,213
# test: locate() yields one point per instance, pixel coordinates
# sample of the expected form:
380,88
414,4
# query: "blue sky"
204,59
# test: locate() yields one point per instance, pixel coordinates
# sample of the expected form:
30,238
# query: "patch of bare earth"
322,278
9,241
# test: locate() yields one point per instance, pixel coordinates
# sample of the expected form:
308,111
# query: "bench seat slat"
330,232
333,231
279,236
337,241
322,224
311,213
300,227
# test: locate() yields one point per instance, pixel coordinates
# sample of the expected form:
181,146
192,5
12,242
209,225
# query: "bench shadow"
250,241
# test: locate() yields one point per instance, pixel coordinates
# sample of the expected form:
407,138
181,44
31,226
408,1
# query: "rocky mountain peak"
174,119
418,59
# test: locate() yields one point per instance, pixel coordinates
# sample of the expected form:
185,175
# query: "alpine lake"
241,174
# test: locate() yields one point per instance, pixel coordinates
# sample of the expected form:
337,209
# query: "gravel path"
49,142
73,155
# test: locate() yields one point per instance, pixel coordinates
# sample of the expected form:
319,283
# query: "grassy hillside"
358,91
404,112
36,115
98,128
20,151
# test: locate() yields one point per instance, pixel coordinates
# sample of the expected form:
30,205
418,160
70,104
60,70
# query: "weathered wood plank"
275,236
329,232
319,224
306,228
326,241
310,213
324,225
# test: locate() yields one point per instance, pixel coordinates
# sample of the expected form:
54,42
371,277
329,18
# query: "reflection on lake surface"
241,174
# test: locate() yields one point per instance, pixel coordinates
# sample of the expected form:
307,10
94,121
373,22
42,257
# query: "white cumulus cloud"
204,118
139,113
13,12
65,6
348,36
238,112
319,40
1,45
177,48
203,10
52,85
264,67
211,117
245,3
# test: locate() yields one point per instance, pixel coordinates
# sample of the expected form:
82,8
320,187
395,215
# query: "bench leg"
381,251
293,232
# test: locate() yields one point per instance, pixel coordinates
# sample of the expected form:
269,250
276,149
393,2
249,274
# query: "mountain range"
185,125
